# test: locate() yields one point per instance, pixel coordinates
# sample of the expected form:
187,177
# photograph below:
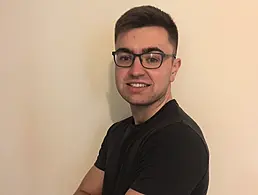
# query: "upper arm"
172,162
92,183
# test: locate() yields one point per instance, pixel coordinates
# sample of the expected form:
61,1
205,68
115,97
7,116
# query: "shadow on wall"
118,107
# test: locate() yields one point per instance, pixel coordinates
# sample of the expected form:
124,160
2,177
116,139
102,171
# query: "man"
160,150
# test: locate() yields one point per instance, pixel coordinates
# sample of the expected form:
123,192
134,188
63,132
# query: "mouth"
138,85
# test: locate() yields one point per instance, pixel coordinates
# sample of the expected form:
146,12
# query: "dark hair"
144,16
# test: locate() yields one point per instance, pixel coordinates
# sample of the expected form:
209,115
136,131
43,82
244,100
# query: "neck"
143,113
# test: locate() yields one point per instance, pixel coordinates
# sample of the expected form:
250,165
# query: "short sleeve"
101,159
172,161
102,155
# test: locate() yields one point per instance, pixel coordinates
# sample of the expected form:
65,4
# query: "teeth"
138,85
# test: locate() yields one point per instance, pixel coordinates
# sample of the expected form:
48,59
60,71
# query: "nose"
137,69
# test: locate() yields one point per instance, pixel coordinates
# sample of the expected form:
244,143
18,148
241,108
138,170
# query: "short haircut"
145,16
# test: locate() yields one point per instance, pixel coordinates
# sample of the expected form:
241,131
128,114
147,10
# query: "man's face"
136,84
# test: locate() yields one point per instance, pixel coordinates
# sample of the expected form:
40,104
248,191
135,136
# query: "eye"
124,57
153,58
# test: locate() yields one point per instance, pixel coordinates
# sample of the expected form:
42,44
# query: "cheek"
120,75
167,74
162,77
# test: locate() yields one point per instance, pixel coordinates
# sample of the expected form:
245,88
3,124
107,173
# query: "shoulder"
120,124
117,129
179,137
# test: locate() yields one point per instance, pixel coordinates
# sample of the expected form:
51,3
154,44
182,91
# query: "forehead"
145,37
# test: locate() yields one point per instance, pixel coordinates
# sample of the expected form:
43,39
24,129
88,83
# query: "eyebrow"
150,49
144,50
123,49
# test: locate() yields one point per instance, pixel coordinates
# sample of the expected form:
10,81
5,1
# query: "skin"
147,101
144,102
92,183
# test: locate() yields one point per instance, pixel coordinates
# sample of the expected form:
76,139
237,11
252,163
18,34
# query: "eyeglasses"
149,60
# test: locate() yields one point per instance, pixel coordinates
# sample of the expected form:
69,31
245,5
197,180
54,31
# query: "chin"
139,101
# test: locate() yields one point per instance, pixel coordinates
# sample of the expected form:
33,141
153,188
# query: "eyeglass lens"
148,60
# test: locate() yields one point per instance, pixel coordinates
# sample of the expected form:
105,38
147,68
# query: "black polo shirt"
166,155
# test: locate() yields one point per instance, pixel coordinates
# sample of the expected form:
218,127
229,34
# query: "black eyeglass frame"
163,55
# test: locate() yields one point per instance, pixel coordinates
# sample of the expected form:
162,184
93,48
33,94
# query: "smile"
138,85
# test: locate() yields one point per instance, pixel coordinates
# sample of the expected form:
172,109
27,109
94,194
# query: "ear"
175,67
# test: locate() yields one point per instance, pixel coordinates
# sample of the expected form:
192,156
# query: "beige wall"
57,96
